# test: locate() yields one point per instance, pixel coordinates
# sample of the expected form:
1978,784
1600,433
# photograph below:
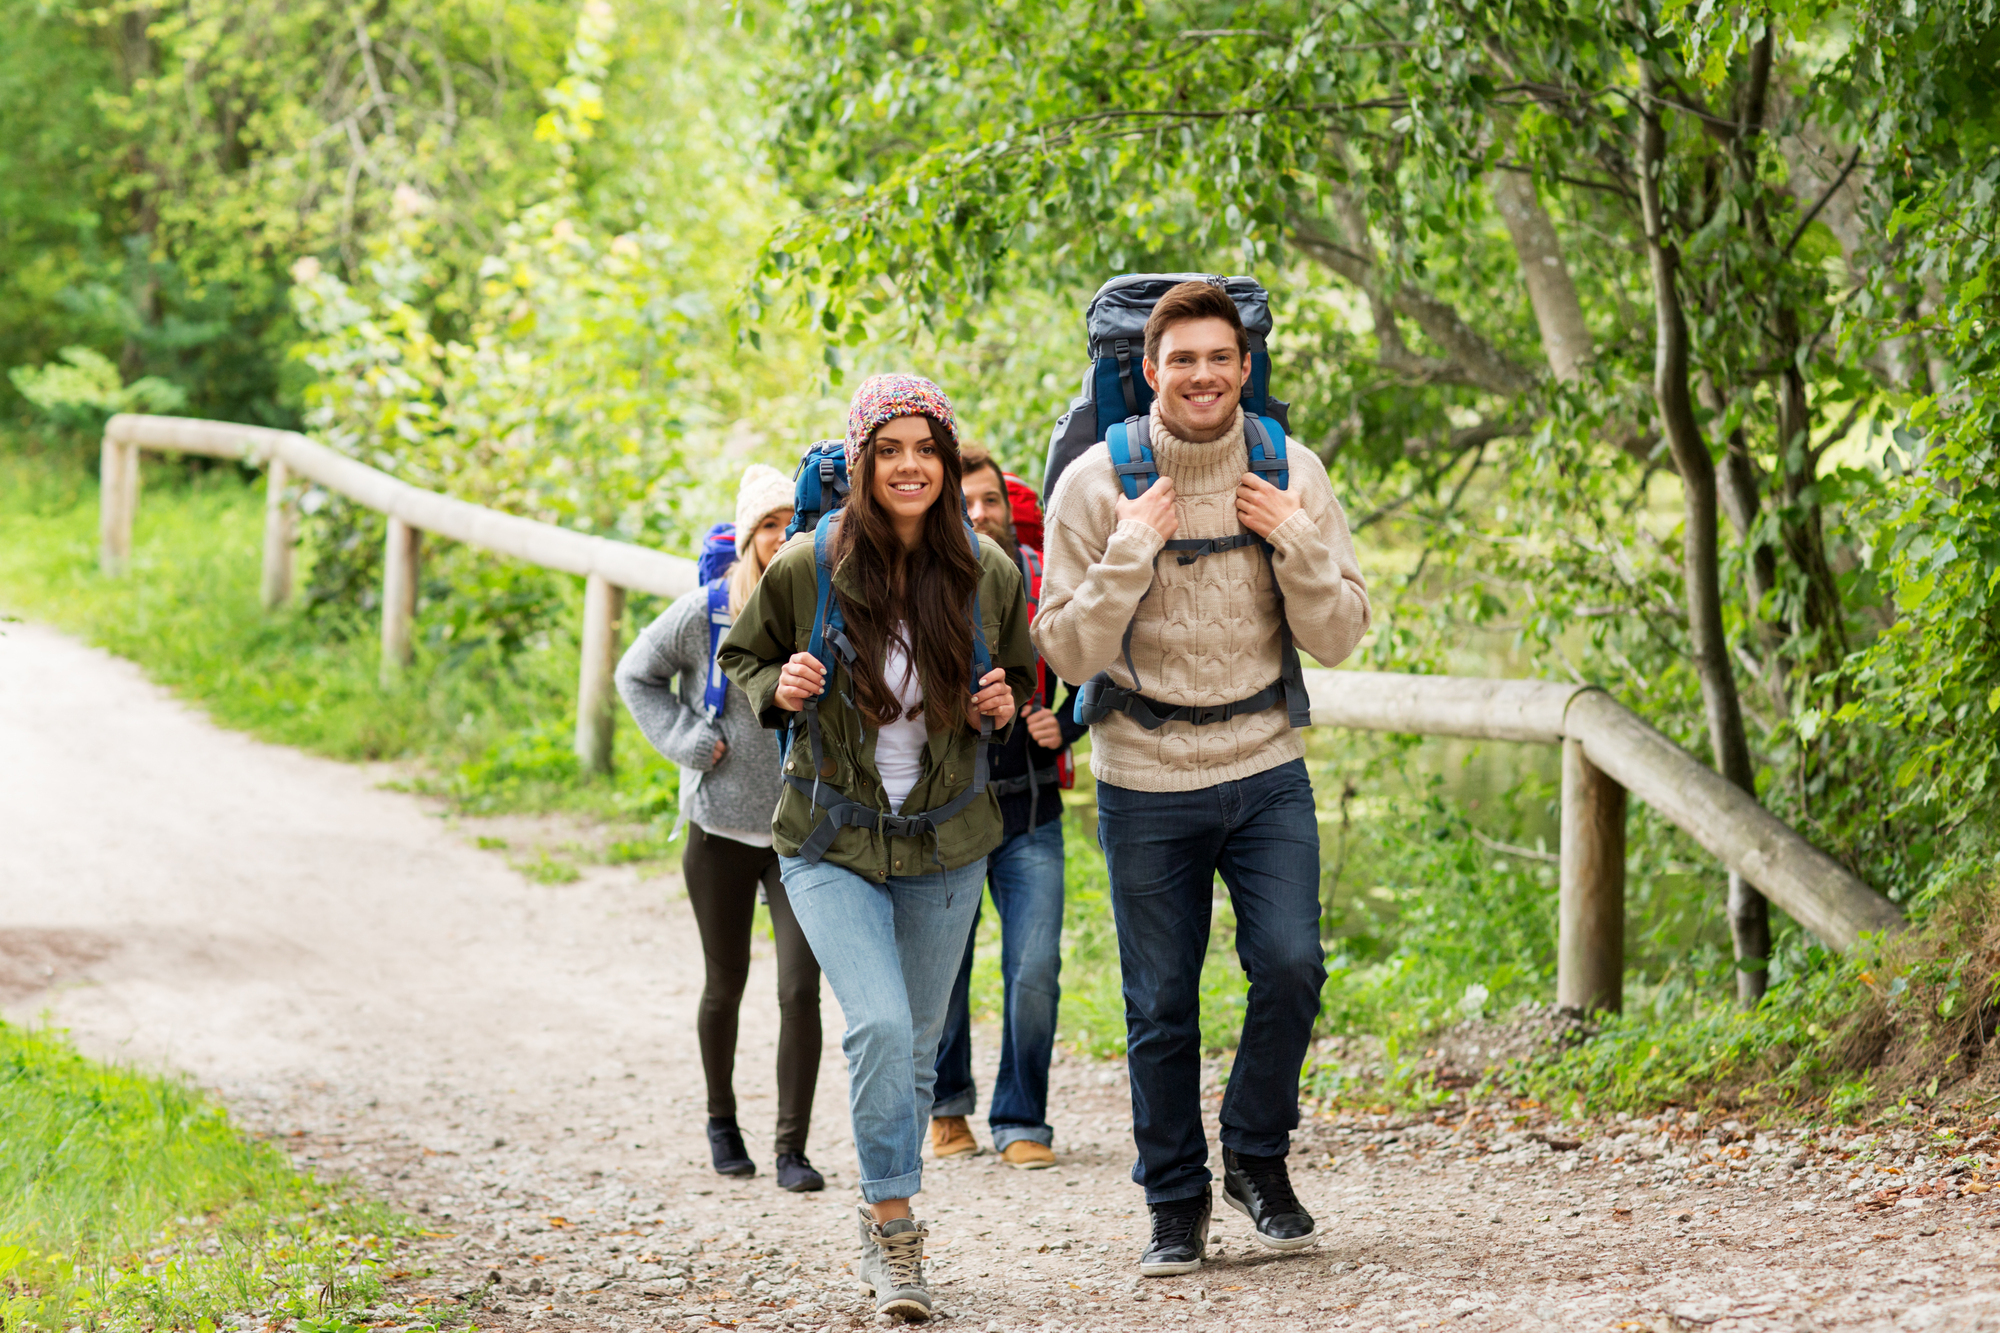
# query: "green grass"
129,1201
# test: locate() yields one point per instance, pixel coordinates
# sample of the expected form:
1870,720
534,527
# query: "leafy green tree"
177,160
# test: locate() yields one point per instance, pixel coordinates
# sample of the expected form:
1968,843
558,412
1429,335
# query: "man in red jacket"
1025,875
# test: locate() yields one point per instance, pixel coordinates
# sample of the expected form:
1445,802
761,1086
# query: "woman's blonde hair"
749,567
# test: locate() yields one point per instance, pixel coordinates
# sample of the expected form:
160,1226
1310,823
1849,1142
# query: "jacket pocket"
974,833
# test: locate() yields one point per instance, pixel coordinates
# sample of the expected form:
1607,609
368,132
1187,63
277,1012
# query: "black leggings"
722,876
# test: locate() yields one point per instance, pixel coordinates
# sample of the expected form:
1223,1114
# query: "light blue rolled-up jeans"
891,951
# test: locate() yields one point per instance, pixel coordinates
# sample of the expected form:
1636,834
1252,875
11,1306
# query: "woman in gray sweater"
729,786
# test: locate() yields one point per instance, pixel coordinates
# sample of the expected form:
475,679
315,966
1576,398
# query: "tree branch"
1470,359
1545,273
1825,197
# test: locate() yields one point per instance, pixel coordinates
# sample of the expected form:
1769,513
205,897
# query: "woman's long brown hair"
929,589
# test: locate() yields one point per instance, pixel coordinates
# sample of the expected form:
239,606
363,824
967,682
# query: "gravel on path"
515,1064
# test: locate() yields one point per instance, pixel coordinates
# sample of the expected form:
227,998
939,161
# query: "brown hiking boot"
952,1137
1028,1155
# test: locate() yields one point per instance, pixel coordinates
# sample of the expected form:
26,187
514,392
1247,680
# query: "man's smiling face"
986,505
1198,377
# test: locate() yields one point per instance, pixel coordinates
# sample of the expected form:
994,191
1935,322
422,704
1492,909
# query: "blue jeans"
891,952
1026,878
1163,851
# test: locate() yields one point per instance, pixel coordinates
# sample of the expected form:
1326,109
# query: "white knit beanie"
762,490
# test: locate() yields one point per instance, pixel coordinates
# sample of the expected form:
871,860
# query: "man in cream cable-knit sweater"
1187,800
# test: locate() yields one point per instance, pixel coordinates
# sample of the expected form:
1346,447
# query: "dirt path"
518,1062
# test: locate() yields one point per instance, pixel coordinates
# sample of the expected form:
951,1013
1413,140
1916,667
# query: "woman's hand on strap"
995,699
799,679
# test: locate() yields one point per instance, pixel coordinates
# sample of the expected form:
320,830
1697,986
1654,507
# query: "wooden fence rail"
1607,750
608,567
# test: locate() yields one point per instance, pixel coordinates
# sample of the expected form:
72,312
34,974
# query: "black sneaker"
1180,1236
796,1174
725,1145
1261,1189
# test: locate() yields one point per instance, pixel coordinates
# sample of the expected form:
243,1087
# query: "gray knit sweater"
734,798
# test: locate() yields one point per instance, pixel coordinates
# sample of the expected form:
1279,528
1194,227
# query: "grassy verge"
128,1201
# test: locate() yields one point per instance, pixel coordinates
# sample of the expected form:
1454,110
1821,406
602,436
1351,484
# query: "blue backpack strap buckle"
1132,454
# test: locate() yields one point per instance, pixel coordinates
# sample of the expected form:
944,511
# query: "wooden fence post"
1590,941
278,534
399,597
596,695
117,504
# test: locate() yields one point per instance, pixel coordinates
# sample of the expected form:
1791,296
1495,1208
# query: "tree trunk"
1749,915
1800,526
1742,496
1558,312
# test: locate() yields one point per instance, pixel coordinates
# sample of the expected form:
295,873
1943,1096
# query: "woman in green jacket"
884,824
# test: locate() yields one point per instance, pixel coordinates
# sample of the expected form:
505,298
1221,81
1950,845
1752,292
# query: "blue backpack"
819,486
718,553
821,490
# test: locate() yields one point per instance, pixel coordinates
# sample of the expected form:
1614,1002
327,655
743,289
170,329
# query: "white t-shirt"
899,747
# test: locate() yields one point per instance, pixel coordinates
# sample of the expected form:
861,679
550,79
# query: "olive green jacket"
777,622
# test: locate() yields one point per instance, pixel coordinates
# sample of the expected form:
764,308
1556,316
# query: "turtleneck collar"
1199,469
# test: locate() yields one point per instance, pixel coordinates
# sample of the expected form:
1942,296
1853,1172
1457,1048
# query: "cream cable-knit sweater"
1206,632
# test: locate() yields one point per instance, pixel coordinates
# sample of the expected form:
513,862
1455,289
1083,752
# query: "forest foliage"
1651,346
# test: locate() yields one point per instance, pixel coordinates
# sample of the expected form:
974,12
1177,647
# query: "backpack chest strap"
1187,550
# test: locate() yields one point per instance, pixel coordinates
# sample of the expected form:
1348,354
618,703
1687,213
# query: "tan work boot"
952,1137
1028,1155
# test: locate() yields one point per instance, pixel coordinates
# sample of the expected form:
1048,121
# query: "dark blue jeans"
1025,874
1163,851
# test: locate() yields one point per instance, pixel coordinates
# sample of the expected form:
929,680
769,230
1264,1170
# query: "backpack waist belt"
839,811
1028,782
1099,698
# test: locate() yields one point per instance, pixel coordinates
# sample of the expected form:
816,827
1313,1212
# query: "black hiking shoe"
725,1145
796,1174
1261,1189
1180,1236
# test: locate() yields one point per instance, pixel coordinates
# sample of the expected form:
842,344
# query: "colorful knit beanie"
884,398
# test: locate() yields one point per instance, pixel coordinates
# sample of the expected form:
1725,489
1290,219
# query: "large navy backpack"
1115,388
821,489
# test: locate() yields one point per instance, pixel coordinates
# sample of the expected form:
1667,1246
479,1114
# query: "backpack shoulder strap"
982,656
829,626
1131,445
715,693
1031,577
1266,439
